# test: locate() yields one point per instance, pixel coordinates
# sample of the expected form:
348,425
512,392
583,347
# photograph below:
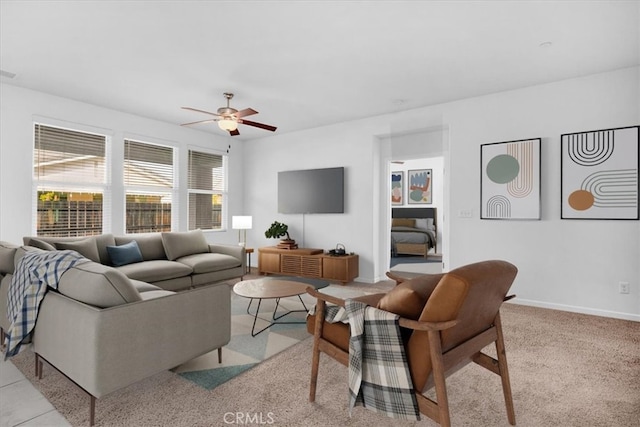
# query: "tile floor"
21,404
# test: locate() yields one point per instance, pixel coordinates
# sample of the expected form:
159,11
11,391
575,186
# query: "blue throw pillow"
124,254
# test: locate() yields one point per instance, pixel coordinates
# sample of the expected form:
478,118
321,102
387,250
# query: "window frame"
174,191
223,191
70,186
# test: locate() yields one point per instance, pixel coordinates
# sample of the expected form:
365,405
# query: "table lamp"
243,223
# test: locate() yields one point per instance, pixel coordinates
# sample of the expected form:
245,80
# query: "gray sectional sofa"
105,329
173,261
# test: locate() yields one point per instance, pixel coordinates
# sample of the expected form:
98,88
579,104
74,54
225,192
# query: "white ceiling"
307,63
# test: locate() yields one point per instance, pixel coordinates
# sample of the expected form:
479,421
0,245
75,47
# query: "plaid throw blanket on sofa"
34,272
379,377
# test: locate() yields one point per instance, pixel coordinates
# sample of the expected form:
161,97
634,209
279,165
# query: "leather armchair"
446,319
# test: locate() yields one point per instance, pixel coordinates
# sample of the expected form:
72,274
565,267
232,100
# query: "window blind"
149,182
205,171
206,190
148,165
69,173
65,155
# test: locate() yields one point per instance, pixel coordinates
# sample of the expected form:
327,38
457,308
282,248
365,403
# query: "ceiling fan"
228,118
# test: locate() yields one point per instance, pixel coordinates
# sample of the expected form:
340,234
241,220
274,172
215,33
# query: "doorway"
416,150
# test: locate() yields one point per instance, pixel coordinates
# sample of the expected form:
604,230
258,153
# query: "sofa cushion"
207,262
7,254
177,245
144,286
21,251
41,244
150,245
99,285
124,254
409,298
86,247
50,243
155,270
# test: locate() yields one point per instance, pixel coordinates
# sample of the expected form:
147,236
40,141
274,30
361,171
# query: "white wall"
19,107
572,265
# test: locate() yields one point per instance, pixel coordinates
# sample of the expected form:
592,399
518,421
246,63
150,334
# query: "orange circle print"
581,200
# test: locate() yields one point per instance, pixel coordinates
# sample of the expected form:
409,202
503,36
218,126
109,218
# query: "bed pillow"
403,222
87,248
124,254
425,223
177,245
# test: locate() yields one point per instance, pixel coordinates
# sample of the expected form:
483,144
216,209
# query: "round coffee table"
268,288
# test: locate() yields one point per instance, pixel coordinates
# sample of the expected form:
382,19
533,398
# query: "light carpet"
245,351
566,369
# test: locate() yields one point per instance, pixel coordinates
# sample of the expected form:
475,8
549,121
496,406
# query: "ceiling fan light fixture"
228,124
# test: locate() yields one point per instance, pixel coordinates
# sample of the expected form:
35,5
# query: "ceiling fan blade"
234,132
258,125
200,121
200,111
246,112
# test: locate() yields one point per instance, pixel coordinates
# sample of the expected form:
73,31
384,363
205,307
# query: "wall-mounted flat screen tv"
311,191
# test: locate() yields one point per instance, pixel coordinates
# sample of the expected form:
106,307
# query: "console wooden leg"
220,355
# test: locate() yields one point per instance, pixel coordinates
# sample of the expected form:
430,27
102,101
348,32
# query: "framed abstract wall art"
599,174
420,185
397,188
510,180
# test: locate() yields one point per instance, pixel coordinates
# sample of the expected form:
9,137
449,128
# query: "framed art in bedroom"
420,185
397,188
599,174
510,179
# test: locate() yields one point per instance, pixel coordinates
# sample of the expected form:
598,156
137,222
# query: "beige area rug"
566,369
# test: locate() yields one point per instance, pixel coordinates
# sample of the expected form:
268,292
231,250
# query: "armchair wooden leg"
439,378
220,355
504,372
315,358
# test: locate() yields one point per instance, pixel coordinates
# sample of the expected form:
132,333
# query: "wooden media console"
308,262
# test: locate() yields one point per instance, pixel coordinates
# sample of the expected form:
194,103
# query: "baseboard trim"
577,309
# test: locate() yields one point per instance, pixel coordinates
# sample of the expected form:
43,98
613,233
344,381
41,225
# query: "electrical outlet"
465,213
624,287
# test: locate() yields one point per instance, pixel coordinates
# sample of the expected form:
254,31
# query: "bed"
413,231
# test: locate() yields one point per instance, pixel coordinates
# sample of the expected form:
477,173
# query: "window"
149,186
207,190
69,172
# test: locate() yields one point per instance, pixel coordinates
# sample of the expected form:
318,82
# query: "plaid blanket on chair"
379,377
34,272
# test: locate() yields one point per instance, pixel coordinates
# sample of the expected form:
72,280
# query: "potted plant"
279,229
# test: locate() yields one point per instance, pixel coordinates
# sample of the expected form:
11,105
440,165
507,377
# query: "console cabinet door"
343,269
268,263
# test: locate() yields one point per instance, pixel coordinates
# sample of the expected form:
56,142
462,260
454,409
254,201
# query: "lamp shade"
227,124
241,222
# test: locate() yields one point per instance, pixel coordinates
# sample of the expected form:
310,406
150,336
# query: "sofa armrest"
235,251
103,350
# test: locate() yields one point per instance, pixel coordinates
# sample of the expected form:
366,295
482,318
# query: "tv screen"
311,191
